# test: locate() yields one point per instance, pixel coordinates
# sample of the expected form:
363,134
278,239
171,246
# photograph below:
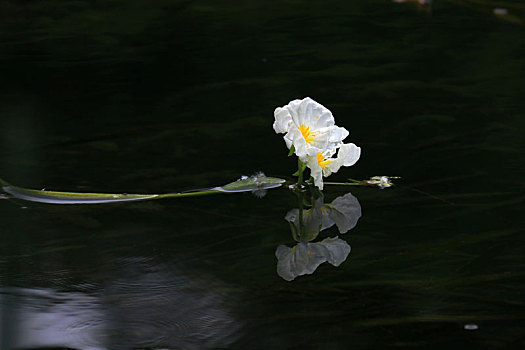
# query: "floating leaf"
54,197
257,184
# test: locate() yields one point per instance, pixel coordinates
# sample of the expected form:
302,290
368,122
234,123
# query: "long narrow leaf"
255,183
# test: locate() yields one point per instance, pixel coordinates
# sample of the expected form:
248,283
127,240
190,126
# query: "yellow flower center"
307,134
322,161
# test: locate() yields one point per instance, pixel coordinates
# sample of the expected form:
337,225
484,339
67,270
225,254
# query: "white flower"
305,257
309,127
321,164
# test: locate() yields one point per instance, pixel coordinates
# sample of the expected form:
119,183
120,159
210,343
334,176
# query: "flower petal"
315,255
311,113
283,120
288,142
295,135
315,171
297,261
349,154
338,134
284,262
345,211
306,257
337,250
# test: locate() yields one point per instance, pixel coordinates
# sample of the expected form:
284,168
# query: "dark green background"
160,96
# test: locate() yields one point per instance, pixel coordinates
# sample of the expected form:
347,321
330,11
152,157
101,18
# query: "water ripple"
144,306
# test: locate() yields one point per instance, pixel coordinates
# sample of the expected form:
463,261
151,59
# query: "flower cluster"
311,133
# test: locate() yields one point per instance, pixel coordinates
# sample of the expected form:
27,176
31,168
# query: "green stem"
59,197
343,183
56,197
189,194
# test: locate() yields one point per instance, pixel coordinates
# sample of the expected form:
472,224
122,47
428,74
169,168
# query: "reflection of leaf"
305,257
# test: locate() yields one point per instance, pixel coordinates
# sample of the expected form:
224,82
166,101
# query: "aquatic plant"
311,134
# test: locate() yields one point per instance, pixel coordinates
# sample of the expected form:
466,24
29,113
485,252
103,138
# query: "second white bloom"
322,164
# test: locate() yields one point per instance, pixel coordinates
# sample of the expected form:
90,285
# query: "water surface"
177,95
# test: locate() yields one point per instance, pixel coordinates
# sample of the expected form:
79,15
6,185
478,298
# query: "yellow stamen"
322,161
307,134
309,254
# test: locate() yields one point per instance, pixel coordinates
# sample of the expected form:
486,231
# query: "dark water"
127,96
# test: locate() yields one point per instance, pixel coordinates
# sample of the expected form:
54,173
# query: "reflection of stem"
294,233
300,195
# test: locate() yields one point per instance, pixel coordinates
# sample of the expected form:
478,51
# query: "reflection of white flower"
321,164
344,212
305,257
311,225
309,127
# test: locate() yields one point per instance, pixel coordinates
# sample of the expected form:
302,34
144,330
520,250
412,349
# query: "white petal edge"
283,119
349,154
